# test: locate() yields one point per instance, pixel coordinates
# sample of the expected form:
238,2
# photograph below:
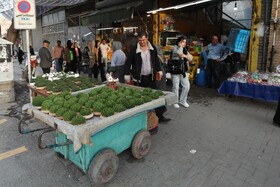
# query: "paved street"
235,141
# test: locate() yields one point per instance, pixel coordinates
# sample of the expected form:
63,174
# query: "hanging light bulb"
235,6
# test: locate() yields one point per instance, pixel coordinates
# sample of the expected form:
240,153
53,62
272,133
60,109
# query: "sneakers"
176,106
185,104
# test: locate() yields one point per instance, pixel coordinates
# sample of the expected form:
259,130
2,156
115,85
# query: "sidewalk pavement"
215,142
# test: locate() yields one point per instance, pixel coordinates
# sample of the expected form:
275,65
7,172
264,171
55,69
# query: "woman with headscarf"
118,61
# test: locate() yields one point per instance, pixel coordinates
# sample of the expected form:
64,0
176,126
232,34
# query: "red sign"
24,6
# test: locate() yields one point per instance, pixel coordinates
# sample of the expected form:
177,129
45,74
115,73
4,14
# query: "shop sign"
24,14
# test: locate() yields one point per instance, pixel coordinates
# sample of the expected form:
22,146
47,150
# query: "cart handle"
41,145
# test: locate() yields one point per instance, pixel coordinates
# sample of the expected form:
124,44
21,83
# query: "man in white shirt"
104,47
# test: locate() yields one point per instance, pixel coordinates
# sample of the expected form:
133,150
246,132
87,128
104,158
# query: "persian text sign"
24,14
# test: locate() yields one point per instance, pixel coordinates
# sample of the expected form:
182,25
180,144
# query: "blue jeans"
58,64
176,79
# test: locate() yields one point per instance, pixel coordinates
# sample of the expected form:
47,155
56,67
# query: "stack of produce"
101,102
64,83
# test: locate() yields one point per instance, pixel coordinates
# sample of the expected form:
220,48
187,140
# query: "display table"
254,91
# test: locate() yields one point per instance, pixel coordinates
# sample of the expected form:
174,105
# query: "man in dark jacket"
45,57
143,65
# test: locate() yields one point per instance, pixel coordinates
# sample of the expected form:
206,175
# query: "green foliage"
159,93
68,104
49,87
106,112
58,98
82,95
67,116
121,88
94,92
76,107
113,97
46,105
37,101
54,108
154,96
119,108
41,82
68,97
85,111
78,119
97,106
83,100
104,95
120,100
129,104
74,99
89,104
110,103
147,99
147,90
65,94
60,112
138,101
137,95
57,88
51,97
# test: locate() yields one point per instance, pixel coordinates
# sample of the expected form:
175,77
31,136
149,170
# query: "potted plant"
129,104
159,93
74,99
77,120
41,83
154,96
106,112
37,101
68,104
119,108
89,104
49,88
82,95
110,103
138,101
82,101
147,99
86,113
57,90
69,115
94,92
59,113
53,109
68,97
97,108
120,100
46,105
76,107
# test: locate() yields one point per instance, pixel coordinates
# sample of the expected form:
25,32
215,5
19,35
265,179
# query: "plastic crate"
238,40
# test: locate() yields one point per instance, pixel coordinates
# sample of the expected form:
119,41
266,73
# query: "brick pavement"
236,145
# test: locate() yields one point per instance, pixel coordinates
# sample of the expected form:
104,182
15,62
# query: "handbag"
176,66
85,63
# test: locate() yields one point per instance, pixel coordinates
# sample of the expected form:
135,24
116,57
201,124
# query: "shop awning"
116,13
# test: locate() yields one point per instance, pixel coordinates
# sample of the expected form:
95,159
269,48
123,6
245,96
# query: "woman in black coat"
20,55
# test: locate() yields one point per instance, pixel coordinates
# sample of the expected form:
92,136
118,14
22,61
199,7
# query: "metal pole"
28,62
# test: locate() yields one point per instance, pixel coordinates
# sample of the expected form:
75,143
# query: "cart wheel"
141,144
103,167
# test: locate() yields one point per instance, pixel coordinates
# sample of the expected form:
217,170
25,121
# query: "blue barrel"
200,77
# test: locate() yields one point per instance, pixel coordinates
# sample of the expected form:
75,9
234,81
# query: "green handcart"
94,146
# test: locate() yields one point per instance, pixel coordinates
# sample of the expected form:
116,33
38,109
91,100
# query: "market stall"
264,86
94,125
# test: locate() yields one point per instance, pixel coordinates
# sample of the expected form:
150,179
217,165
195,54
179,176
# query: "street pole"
28,63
